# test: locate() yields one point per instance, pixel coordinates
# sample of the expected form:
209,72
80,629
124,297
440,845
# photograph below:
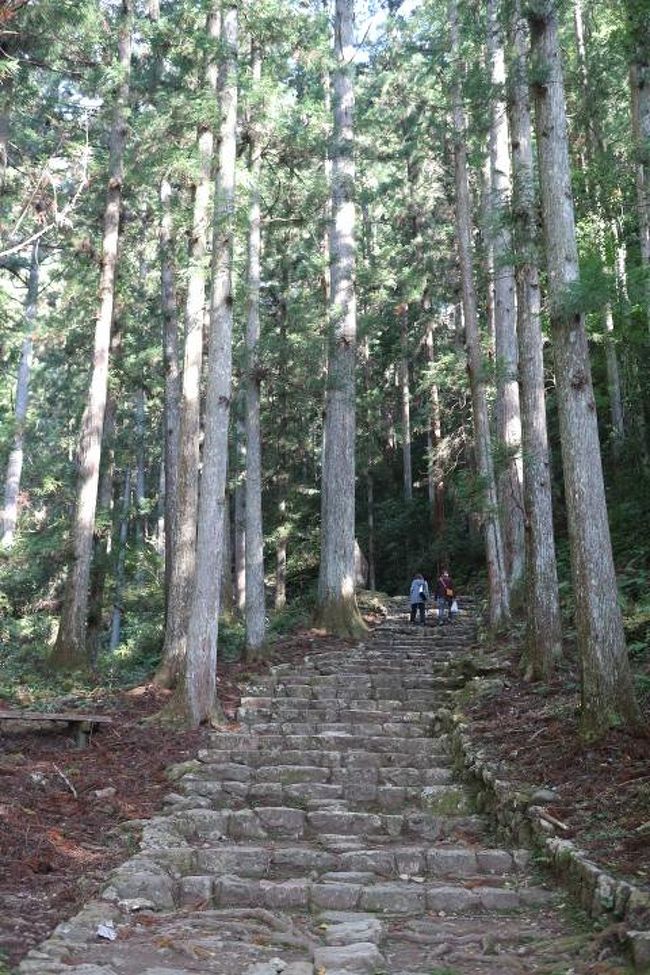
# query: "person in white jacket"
418,595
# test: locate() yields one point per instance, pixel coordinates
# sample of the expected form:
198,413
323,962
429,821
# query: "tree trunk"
226,597
70,646
607,689
118,609
140,487
15,462
240,512
103,530
594,152
435,471
183,543
172,402
543,620
255,605
640,99
405,391
508,415
201,673
499,606
337,609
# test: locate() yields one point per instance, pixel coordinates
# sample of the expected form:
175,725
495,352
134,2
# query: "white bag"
454,607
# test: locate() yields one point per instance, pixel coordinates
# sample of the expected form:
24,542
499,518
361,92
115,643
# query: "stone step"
302,709
328,758
355,891
279,861
330,741
356,795
285,822
325,729
326,774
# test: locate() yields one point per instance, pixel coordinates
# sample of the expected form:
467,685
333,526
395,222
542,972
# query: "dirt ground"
60,805
602,790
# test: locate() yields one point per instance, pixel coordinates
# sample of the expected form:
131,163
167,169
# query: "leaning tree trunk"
183,539
201,672
172,372
499,606
543,621
70,646
508,416
607,689
15,462
255,607
337,608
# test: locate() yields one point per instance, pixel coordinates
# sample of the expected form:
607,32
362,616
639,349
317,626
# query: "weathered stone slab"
363,958
350,932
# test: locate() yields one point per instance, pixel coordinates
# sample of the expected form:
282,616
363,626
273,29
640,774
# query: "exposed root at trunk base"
341,617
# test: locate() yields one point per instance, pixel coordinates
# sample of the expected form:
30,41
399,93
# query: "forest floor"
60,807
602,790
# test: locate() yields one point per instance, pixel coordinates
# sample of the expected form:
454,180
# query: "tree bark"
201,673
543,619
337,608
15,462
607,689
407,467
499,606
171,365
240,510
118,609
140,475
508,413
640,105
435,471
70,646
183,543
255,603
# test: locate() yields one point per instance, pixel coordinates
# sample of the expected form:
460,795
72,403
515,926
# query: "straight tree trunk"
226,603
640,103
171,365
103,528
183,537
15,462
70,647
140,477
120,561
255,605
508,414
543,620
607,689
337,608
201,673
240,511
499,606
434,438
594,150
405,396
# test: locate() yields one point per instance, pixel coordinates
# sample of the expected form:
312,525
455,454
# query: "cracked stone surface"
326,836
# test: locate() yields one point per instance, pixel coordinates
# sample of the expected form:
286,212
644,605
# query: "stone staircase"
325,835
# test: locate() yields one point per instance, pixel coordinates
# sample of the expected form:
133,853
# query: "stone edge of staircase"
518,820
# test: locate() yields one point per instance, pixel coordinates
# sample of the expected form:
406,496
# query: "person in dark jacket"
418,595
444,597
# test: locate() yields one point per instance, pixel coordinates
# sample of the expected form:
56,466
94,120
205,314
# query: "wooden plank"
70,717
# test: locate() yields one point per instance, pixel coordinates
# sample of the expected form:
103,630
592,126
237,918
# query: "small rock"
107,931
541,796
107,793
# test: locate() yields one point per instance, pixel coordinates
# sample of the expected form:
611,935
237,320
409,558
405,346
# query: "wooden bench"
83,724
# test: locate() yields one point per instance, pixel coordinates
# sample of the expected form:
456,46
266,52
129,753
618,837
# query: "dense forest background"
72,101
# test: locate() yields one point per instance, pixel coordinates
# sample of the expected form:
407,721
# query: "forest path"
325,835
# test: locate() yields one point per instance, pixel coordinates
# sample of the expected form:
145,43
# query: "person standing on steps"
418,595
445,595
